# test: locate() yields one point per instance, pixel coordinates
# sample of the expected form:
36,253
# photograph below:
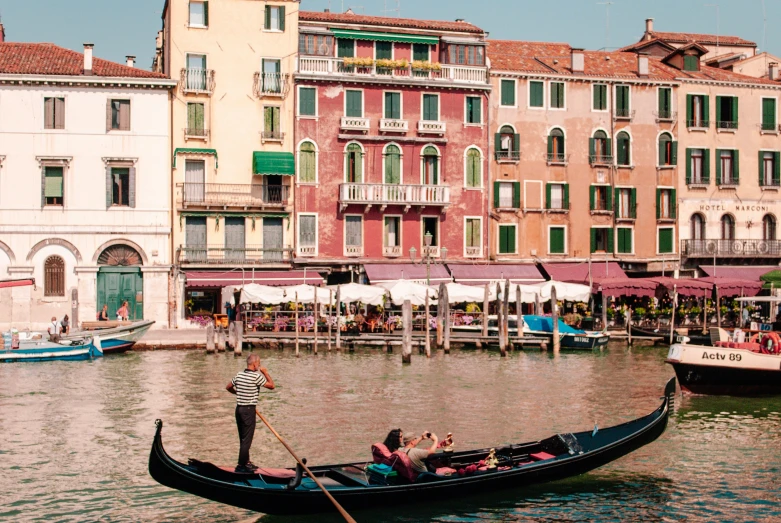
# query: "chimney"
131,60
642,65
88,59
772,71
2,33
326,10
460,20
649,28
578,60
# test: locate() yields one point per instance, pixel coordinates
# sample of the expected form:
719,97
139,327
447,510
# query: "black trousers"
245,421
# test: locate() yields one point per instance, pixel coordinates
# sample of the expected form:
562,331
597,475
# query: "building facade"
233,141
391,142
84,186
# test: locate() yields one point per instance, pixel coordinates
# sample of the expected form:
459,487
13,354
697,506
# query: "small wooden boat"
118,337
285,491
695,337
50,351
570,337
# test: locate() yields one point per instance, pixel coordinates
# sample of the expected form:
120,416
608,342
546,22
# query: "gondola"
287,491
695,336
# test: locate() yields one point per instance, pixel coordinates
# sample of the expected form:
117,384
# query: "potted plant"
425,65
392,65
351,62
639,313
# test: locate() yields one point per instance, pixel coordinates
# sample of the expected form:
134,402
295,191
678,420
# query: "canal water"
75,436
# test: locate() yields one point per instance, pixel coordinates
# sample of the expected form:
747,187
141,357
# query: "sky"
128,27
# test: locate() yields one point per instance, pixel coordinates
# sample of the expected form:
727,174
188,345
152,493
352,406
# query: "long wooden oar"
347,517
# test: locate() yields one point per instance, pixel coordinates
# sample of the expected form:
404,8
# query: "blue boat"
117,338
570,337
51,351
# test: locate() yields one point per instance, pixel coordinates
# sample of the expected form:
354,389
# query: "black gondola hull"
695,337
606,446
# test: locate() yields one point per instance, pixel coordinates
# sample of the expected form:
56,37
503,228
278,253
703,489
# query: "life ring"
770,343
754,338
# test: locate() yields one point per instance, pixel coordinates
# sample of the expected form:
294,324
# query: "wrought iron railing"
196,132
507,156
624,114
221,255
727,124
600,159
665,115
271,84
197,80
272,136
559,158
731,248
699,123
232,195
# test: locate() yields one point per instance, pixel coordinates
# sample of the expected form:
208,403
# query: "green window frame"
624,240
431,107
383,50
601,239
420,52
691,63
623,149
272,120
353,105
392,109
507,239
508,93
665,104
557,95
600,198
666,212
280,18
473,232
345,48
536,94
307,163
392,160
53,186
556,146
474,168
599,92
564,205
668,151
622,194
774,170
353,164
307,101
474,112
697,110
732,178
623,101
557,243
769,114
195,119
665,241
205,14
727,112
515,195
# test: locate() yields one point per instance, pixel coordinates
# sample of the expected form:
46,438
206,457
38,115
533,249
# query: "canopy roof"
735,287
402,290
355,292
265,294
267,162
391,272
739,272
385,37
238,278
579,272
482,274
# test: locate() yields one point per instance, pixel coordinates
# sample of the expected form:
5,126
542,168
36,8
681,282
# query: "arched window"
307,163
600,148
668,150
430,173
353,163
474,167
54,276
392,164
727,227
768,227
556,148
508,144
697,224
624,146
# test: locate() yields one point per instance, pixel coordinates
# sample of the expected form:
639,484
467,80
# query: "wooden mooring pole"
338,319
440,314
446,325
406,339
210,338
500,329
486,306
296,320
629,326
330,315
426,329
238,331
554,309
316,315
220,339
506,317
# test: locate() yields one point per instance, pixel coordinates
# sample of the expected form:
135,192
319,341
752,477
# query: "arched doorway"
119,280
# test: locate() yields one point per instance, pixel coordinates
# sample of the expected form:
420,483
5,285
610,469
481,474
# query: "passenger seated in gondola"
418,456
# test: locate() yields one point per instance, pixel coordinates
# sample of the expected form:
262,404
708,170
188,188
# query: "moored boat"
50,351
286,491
741,369
694,337
570,337
117,338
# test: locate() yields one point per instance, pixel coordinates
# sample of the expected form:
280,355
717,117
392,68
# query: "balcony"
698,123
271,84
271,136
503,156
328,66
626,213
307,251
430,127
556,158
198,81
352,251
600,160
391,252
248,255
353,123
222,196
389,125
665,116
731,248
624,114
727,126
196,133
369,194
473,252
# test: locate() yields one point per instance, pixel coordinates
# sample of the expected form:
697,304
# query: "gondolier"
246,386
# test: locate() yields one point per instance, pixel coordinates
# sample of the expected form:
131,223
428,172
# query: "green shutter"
736,166
735,110
536,97
597,98
592,148
547,195
776,168
591,197
354,107
268,18
306,103
430,107
508,92
497,144
516,145
665,241
706,110
718,166
420,52
610,246
593,240
633,203
769,114
206,14
674,159
516,195
689,166
556,240
608,199
502,239
706,166
282,18
496,195
511,233
383,50
760,162
550,145
609,146
617,198
566,195
689,108
718,110
664,102
658,203
673,204
345,48
662,151
477,110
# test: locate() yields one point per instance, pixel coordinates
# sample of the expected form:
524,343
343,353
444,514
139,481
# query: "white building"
85,186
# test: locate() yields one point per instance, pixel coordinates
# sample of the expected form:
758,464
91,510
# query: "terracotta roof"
722,75
49,59
682,38
409,23
645,43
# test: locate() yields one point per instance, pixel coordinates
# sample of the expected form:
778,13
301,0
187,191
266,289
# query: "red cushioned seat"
381,455
403,465
539,456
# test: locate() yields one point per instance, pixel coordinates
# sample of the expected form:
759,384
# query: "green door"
117,284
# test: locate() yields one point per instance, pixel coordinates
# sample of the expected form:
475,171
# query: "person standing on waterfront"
65,325
246,386
54,330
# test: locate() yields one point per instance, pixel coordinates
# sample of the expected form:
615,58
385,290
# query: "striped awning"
385,37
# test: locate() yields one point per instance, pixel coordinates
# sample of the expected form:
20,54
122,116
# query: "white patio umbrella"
355,292
265,294
306,294
458,293
401,290
564,291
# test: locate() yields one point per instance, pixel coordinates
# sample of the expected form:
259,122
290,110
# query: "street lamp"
426,256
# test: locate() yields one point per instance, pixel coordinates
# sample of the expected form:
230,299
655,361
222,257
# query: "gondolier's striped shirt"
247,384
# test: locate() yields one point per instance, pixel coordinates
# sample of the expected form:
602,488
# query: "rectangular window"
353,103
557,197
508,93
316,45
474,236
626,203
697,168
307,234
665,105
272,80
727,112
557,95
199,14
507,239
271,123
600,198
769,114
691,63
665,204
54,113
465,54
697,111
383,50
420,52
392,236
666,241
345,48
505,195
601,239
600,97
727,170
275,18
431,107
307,105
393,106
556,240
474,105
624,243
431,227
622,101
769,169
536,94
195,119
120,186
53,192
353,234
119,118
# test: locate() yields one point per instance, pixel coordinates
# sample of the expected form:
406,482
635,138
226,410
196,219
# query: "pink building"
391,134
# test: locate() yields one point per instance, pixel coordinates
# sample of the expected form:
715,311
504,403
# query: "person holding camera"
418,456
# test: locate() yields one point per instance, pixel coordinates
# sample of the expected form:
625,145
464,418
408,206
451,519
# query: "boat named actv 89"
740,371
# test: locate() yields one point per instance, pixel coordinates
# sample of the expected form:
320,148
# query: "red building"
391,134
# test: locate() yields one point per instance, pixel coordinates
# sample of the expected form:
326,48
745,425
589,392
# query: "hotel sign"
735,208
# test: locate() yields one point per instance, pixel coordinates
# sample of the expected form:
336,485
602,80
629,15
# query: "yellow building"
232,141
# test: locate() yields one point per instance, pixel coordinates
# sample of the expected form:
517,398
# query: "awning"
5,284
482,274
772,279
578,272
642,287
738,272
384,37
195,150
685,286
733,287
264,162
236,279
386,272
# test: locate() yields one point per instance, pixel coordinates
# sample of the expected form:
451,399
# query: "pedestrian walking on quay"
246,386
